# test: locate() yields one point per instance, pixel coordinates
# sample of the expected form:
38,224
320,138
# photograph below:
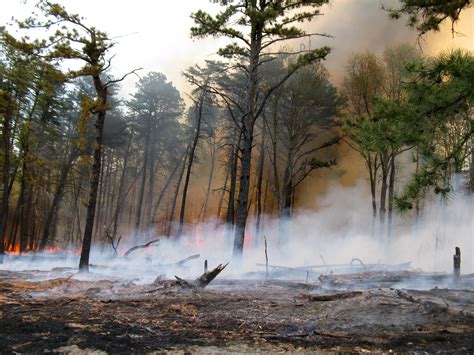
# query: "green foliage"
440,98
269,21
427,15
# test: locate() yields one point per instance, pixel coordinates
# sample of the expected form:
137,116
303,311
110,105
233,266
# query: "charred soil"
117,316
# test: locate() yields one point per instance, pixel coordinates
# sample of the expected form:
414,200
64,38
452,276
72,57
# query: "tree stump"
457,263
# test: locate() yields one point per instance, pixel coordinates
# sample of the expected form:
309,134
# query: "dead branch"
112,241
183,261
136,247
266,258
360,261
406,297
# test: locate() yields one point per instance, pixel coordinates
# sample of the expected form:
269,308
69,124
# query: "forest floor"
55,311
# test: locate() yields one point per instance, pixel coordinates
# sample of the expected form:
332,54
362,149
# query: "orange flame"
14,249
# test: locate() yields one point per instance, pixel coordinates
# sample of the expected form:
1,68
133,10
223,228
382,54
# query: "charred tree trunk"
151,185
391,195
165,188
57,197
221,198
120,202
101,194
372,165
5,172
230,219
142,187
191,156
209,181
101,91
247,127
261,165
383,194
286,200
471,170
178,185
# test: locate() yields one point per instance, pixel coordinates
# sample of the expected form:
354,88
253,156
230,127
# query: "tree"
427,15
363,82
155,105
440,101
299,121
202,109
256,26
375,92
70,38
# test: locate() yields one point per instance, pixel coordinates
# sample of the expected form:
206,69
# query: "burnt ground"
66,314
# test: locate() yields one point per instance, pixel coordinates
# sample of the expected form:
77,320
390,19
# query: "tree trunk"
391,195
151,186
101,193
57,197
5,173
192,153
165,189
471,170
383,194
230,218
175,198
203,212
142,187
101,90
120,202
221,198
286,200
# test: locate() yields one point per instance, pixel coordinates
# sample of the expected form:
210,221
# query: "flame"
14,249
199,240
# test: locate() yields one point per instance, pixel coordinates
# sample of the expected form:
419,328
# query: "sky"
154,35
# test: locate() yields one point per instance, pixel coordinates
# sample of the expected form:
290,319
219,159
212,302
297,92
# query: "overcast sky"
154,34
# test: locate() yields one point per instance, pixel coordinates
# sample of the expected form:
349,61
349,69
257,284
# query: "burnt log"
203,280
334,297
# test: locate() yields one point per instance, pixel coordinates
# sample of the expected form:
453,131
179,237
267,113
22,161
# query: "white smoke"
337,232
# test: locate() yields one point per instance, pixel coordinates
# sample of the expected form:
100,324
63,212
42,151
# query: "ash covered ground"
358,308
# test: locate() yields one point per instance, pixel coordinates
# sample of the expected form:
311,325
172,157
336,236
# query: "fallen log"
334,297
136,247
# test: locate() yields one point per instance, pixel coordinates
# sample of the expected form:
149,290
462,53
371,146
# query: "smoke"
335,234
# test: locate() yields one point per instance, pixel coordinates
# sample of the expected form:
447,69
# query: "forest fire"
293,182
